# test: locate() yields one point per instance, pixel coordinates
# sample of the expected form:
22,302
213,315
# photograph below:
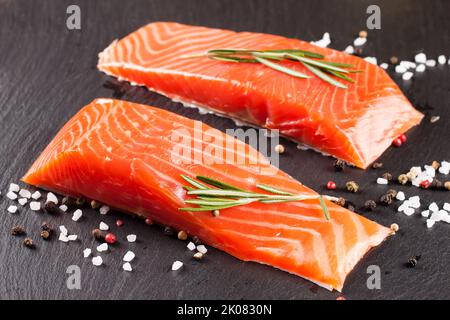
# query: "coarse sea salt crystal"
11,195
446,206
87,252
129,256
402,207
12,209
416,170
433,207
191,246
97,261
14,187
409,211
430,171
431,63
414,199
400,69
430,223
35,205
177,265
104,209
408,64
24,193
382,181
442,59
52,198
425,213
63,230
63,237
131,238
127,267
359,41
400,196
72,237
384,65
201,248
420,58
371,60
23,201
102,247
77,215
36,195
420,68
63,208
103,226
407,76
445,164
349,50
444,170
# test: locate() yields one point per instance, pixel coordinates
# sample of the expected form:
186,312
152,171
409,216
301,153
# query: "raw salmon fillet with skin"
356,124
121,154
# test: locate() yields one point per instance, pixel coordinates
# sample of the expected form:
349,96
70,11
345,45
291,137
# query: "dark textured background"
47,73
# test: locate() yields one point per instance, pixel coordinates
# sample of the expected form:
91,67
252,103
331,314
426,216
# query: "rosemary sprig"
220,195
314,62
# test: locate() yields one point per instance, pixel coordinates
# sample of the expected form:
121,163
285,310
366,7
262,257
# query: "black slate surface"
48,72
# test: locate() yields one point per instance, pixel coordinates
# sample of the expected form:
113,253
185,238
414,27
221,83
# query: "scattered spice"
363,34
435,165
434,119
68,201
52,208
403,179
95,204
279,148
447,185
340,202
392,192
98,235
370,205
352,186
386,199
412,262
350,206
18,231
28,242
80,202
149,221
46,227
198,256
377,165
395,227
393,60
182,235
397,142
168,231
436,184
331,185
196,240
411,175
339,165
403,138
45,234
387,176
215,213
110,238
425,184
358,51
119,222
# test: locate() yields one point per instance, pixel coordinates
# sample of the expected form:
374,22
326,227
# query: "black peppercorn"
46,227
28,242
377,165
45,234
392,193
18,231
196,240
168,231
98,235
52,208
339,165
412,262
370,205
387,176
386,199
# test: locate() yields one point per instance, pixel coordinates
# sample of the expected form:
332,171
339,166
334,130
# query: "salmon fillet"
356,124
122,154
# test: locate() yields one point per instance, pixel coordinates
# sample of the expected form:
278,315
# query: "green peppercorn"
352,186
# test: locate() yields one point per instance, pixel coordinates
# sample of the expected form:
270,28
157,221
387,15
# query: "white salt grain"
433,207
384,65
425,213
431,63
36,195
127,267
420,58
191,246
63,230
14,187
382,181
87,252
129,256
402,207
420,68
97,261
23,201
104,209
371,60
409,211
201,248
12,209
359,41
11,195
72,237
177,265
24,193
52,198
102,247
77,215
446,206
442,59
103,226
131,238
63,237
400,69
408,64
63,208
407,76
349,50
35,205
430,223
400,196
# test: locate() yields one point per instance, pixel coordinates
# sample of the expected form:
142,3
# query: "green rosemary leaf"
317,63
299,52
269,55
355,71
194,183
209,203
232,59
340,75
218,184
324,76
281,68
226,193
273,190
324,208
339,64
